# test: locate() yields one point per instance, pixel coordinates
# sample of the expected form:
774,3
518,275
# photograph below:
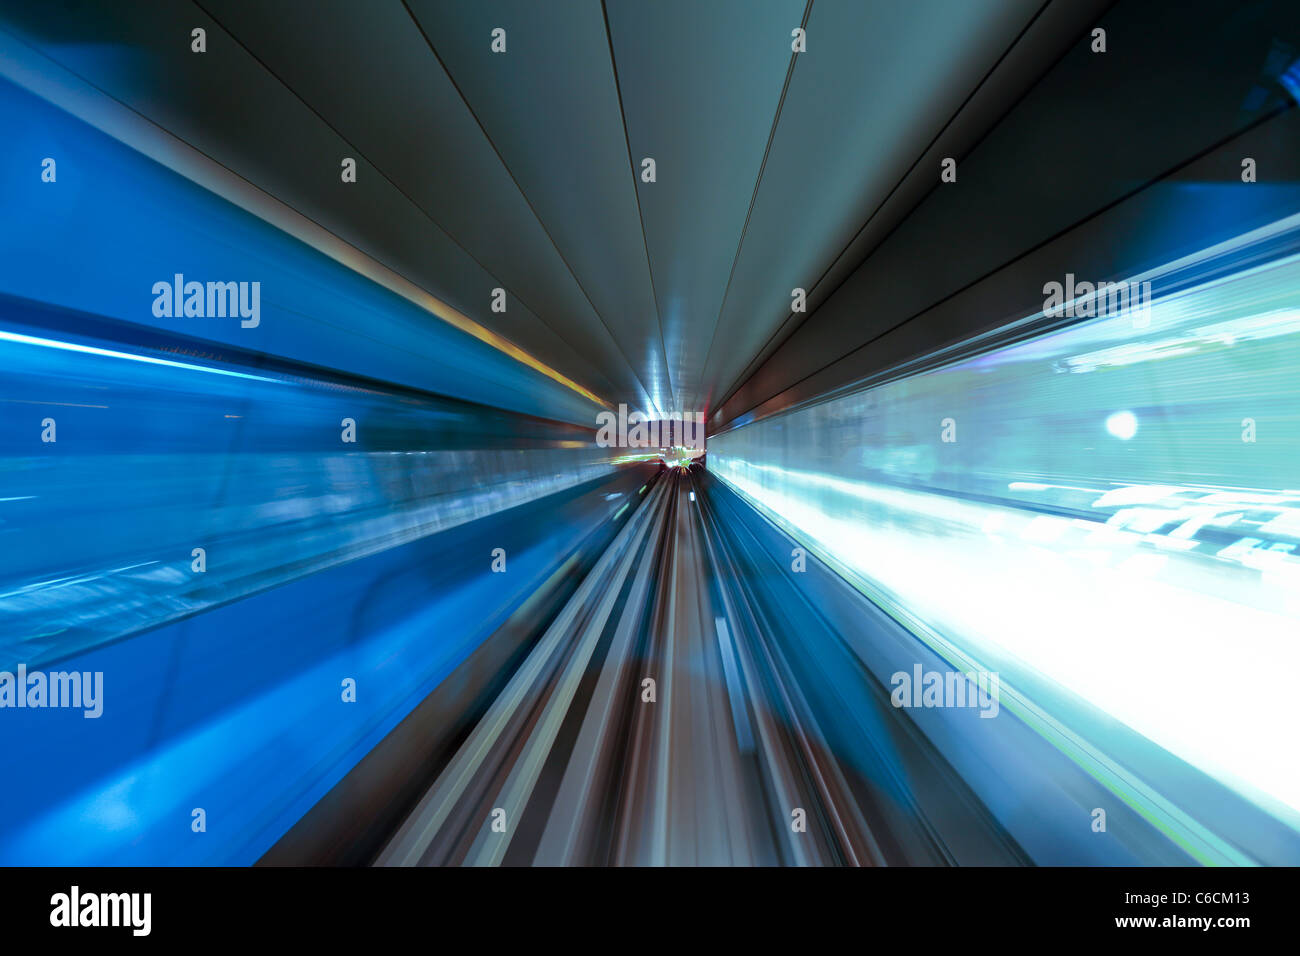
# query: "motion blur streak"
334,548
953,581
726,758
1109,535
420,464
200,529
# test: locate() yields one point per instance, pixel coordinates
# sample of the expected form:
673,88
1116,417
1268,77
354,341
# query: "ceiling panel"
230,108
879,81
369,72
700,84
550,106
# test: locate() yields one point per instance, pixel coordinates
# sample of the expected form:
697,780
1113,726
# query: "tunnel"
649,433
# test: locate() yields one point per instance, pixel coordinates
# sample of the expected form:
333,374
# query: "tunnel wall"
1104,513
1113,163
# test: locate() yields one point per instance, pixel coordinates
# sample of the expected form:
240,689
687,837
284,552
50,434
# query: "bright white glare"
1144,654
1173,607
1123,425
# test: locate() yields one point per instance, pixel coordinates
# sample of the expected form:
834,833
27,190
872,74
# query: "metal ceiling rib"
700,85
550,106
372,73
879,80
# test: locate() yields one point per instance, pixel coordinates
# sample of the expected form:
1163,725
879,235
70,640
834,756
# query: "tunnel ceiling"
521,170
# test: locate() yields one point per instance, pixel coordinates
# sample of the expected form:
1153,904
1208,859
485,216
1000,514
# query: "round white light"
1123,425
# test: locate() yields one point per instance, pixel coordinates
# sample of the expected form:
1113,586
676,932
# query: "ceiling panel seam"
753,199
1146,184
509,172
645,242
420,209
780,330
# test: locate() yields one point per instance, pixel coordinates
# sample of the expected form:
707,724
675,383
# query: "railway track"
660,720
